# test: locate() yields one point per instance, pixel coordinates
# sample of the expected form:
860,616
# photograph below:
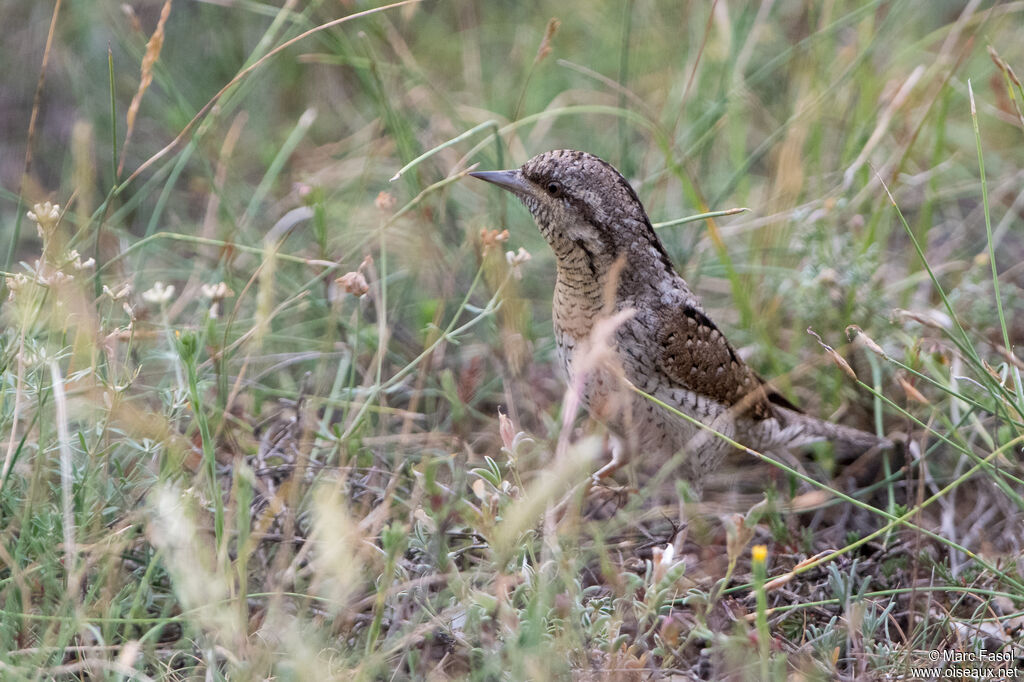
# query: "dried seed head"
507,431
834,354
935,319
545,44
491,238
856,335
671,629
385,202
353,283
911,391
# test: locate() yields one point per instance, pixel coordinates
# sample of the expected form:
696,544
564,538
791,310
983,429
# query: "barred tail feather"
801,429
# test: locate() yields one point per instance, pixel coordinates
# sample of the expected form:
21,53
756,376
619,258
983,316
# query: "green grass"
284,480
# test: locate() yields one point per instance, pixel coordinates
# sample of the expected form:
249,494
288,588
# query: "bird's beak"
512,180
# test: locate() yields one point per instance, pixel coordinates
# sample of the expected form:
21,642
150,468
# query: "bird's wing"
696,355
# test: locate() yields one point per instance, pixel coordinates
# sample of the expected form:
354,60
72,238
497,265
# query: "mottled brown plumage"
697,355
611,262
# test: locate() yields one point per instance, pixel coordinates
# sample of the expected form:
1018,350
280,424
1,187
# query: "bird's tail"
803,429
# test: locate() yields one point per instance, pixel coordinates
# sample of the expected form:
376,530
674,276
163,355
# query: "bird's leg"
618,459
604,497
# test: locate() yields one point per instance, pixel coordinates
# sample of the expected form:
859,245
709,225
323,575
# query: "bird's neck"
578,302
589,270
583,280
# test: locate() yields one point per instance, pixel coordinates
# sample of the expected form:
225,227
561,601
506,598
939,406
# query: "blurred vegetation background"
291,478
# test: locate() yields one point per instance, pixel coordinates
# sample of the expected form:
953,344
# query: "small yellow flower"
759,553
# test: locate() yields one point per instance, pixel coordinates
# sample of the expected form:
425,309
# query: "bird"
615,280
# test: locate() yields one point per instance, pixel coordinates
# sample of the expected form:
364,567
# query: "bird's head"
585,209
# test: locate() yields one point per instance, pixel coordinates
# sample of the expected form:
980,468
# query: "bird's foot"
602,500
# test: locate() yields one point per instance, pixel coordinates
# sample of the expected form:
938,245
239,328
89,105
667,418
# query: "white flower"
28,357
517,258
78,264
15,284
216,291
54,278
159,293
45,217
123,291
44,212
76,261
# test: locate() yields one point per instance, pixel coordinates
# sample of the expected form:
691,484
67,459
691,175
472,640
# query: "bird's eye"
554,189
